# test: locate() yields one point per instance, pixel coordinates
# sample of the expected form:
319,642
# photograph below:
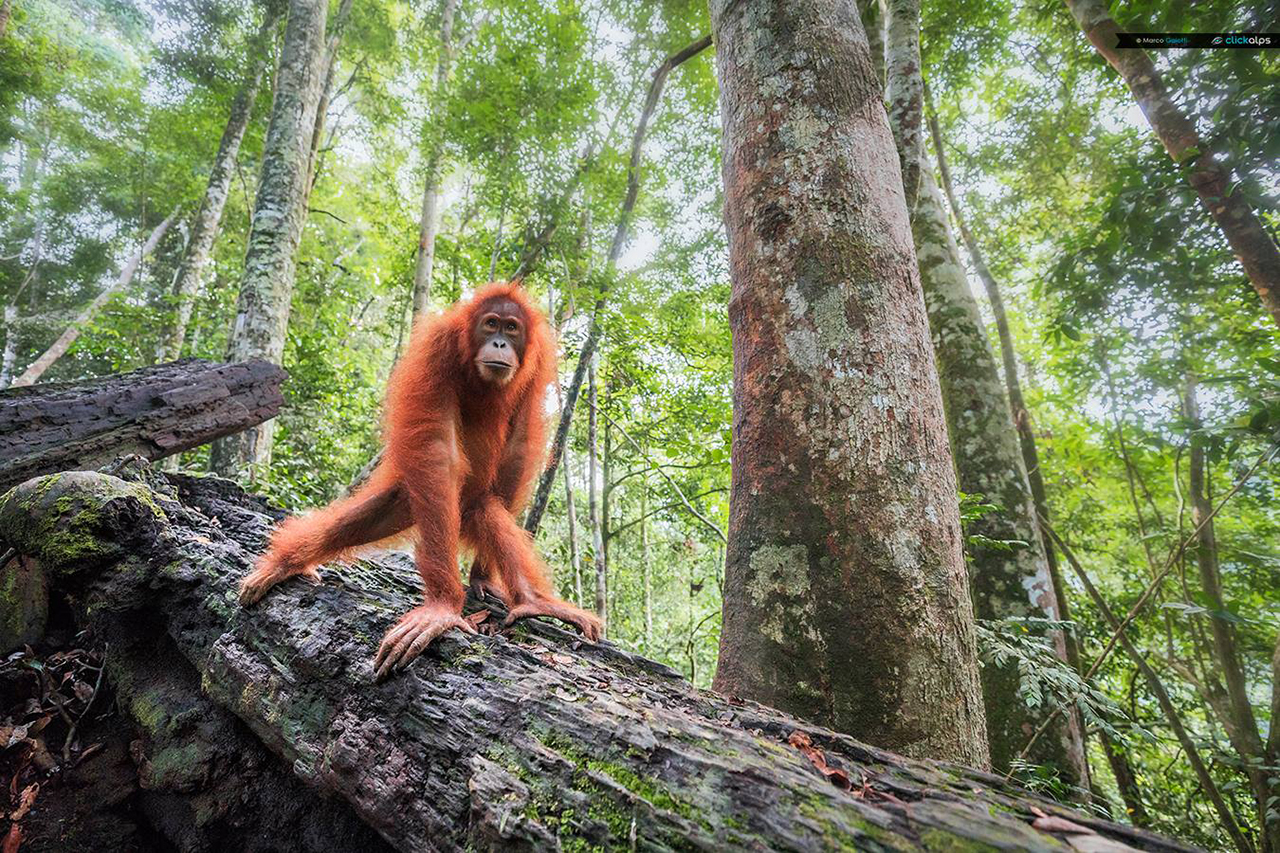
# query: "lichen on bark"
988,459
841,470
279,212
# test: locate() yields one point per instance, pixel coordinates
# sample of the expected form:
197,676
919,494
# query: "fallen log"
531,740
153,412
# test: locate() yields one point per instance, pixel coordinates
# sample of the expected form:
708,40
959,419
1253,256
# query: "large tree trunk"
620,233
846,598
531,741
429,221
208,221
989,462
153,412
1239,721
59,347
1212,181
262,312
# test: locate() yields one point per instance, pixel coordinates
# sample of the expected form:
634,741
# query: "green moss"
940,840
177,767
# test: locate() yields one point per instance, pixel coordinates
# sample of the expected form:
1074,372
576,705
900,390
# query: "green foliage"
1118,287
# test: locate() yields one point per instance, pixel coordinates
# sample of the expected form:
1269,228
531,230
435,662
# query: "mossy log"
531,740
153,412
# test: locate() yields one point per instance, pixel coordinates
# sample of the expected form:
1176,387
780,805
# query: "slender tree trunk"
266,290
1009,360
1207,175
328,70
59,348
989,462
208,221
6,9
905,92
606,496
593,501
873,17
1273,735
1243,727
429,221
620,233
575,558
1126,780
1157,688
645,568
846,598
29,173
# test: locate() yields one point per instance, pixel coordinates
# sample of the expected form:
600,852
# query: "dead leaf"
801,741
13,840
17,735
25,802
40,756
83,691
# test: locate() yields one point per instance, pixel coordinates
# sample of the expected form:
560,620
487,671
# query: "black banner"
1216,41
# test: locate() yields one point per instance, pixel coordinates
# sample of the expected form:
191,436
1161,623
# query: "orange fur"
461,456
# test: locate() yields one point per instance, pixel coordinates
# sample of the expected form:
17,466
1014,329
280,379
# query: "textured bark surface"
1253,246
905,92
208,221
873,24
989,462
846,596
262,312
153,412
1237,717
532,741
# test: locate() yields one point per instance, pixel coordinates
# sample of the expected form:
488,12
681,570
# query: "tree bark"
593,502
1126,780
1243,729
6,10
429,222
1013,385
59,348
905,92
528,741
575,557
620,232
153,412
29,173
266,290
646,568
1207,175
329,70
208,221
846,598
989,462
873,16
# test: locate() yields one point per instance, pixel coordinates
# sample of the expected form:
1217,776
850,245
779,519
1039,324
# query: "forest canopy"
579,145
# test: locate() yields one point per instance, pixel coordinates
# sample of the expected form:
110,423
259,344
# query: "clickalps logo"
1256,41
